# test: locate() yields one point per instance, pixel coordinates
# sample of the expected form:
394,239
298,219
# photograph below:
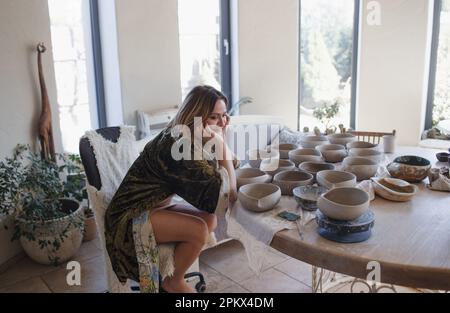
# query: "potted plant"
326,112
49,220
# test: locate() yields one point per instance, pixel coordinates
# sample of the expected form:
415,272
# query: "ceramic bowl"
259,197
334,179
442,157
332,153
341,139
288,180
345,204
306,196
411,168
394,189
361,144
313,141
256,156
362,168
371,154
304,155
314,167
274,166
284,149
245,176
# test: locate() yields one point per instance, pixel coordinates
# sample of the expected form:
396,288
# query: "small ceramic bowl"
306,196
284,149
344,204
341,139
259,197
332,153
411,168
363,168
367,153
334,179
313,141
245,176
288,180
394,189
274,166
442,157
256,156
304,155
361,144
314,167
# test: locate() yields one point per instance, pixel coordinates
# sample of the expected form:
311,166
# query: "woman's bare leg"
210,219
190,232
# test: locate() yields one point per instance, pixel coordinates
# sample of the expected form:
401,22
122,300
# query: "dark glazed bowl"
411,168
443,156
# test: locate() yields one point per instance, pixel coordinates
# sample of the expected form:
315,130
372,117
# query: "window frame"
225,48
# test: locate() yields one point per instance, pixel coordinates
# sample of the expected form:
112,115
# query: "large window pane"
199,29
326,62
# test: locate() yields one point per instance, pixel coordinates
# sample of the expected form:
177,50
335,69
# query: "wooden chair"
373,137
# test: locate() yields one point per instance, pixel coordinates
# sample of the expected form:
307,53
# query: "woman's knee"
211,221
200,232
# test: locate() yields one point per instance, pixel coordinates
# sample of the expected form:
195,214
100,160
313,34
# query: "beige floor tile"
274,281
87,251
32,285
92,278
296,269
23,270
235,288
214,280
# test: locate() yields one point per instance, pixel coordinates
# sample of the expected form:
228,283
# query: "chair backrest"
373,137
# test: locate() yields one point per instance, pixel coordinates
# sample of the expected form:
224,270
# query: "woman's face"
219,116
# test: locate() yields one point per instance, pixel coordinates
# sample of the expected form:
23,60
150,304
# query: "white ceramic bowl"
284,149
288,180
341,139
367,153
361,144
274,166
259,197
314,167
394,189
335,179
363,168
313,141
245,176
332,153
305,155
256,156
345,204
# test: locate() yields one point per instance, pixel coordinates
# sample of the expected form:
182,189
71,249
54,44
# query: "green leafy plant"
326,111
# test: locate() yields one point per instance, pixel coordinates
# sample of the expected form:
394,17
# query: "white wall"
148,55
268,57
393,69
23,23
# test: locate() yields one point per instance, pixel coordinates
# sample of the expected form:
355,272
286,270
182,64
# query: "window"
204,44
438,108
328,48
71,41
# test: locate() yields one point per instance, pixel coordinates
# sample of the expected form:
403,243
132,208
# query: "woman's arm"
228,165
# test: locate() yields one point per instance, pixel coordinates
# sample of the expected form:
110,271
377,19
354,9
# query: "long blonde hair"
199,102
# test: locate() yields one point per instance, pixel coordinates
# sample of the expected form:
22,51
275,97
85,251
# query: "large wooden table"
410,240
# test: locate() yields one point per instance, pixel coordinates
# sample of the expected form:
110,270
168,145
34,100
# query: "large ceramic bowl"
314,167
341,139
274,166
363,168
259,197
313,141
411,168
394,189
284,149
245,176
288,180
335,179
306,196
362,144
256,156
367,153
305,155
333,153
345,204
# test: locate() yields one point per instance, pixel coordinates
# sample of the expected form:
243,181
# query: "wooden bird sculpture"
45,130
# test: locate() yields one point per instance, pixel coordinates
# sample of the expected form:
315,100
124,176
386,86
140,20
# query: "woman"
207,184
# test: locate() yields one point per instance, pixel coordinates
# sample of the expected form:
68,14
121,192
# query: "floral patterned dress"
154,177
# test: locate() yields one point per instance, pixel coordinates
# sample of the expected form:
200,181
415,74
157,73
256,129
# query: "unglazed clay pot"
313,141
344,204
274,166
288,180
367,153
256,156
334,179
341,139
259,197
394,189
363,168
304,155
411,168
361,144
245,176
284,149
314,167
333,153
